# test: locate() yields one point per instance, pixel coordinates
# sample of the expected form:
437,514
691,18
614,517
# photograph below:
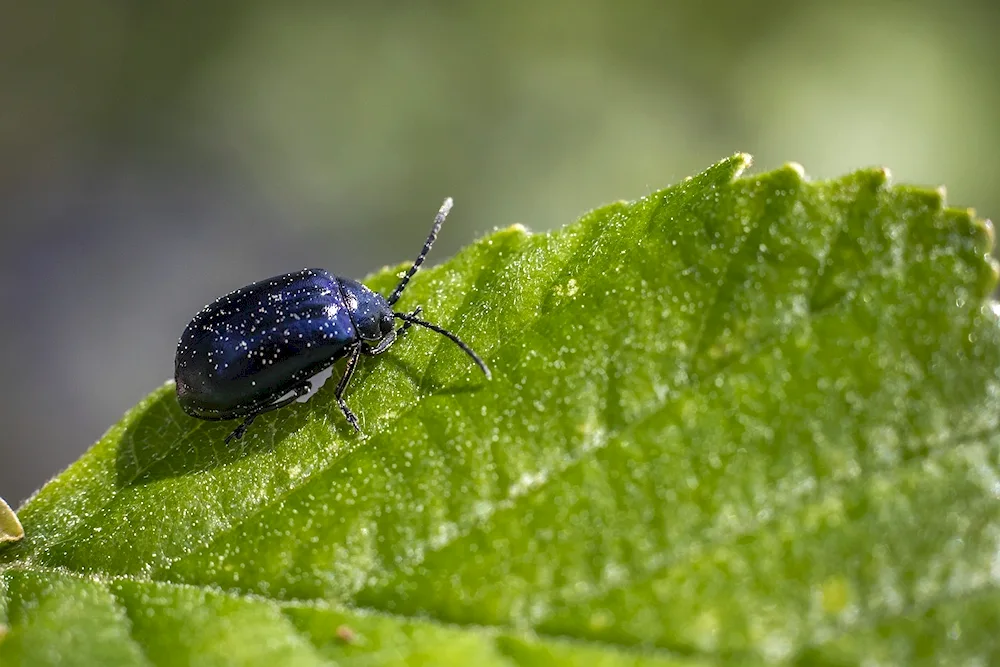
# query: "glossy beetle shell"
254,345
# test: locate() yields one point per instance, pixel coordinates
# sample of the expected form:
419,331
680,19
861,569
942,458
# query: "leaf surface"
742,420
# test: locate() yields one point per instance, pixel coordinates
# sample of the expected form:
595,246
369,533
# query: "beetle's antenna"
438,221
406,317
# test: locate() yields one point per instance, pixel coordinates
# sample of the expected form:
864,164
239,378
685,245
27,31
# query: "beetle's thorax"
371,315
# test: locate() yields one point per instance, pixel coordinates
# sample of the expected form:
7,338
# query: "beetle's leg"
241,429
352,362
298,392
406,325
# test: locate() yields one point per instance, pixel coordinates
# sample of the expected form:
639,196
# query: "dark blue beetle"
255,349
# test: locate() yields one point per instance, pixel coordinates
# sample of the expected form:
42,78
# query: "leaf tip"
986,241
740,163
724,171
875,177
986,226
516,230
942,193
797,169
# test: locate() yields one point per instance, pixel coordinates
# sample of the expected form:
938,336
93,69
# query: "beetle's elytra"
255,349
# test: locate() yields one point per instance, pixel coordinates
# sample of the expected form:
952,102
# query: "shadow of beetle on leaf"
162,442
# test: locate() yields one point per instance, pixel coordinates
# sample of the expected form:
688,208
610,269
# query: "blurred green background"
156,155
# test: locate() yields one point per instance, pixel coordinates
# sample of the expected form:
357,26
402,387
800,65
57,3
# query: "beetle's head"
371,315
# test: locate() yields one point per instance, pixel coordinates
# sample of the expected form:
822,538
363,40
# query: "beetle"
257,348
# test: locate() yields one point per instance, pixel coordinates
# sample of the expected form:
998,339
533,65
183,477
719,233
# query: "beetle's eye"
386,324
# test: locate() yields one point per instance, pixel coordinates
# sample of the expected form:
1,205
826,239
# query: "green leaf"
741,420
